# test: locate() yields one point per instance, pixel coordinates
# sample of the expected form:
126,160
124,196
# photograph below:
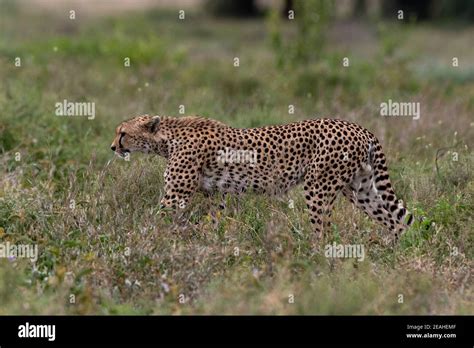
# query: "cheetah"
327,156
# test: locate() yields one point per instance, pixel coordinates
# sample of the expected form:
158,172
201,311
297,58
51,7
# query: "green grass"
116,253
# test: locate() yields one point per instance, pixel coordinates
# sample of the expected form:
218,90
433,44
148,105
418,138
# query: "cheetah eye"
122,134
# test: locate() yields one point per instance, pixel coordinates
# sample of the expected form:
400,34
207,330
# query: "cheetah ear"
152,125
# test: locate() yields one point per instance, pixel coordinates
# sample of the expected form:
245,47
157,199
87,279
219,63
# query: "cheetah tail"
383,185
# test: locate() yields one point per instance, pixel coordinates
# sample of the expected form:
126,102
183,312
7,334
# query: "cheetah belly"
224,181
238,181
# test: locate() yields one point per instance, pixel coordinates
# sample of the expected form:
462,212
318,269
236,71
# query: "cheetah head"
140,134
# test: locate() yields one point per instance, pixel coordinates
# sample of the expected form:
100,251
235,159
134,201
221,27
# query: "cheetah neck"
191,121
174,132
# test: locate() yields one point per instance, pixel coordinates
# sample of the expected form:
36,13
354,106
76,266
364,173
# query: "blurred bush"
454,9
226,8
430,9
311,18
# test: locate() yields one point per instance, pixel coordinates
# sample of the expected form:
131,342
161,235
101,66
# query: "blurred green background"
112,253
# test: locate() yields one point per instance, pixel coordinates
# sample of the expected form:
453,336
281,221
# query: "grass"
106,249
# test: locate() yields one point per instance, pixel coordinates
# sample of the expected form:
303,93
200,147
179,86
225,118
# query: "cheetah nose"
113,147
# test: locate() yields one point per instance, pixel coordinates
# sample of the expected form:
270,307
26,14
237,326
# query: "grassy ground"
111,252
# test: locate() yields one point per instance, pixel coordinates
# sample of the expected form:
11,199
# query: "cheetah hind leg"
320,195
363,193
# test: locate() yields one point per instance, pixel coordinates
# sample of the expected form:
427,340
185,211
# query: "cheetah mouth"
122,152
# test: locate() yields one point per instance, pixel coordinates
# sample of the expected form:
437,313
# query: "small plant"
311,19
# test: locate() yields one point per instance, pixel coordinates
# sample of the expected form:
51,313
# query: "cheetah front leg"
320,195
181,182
